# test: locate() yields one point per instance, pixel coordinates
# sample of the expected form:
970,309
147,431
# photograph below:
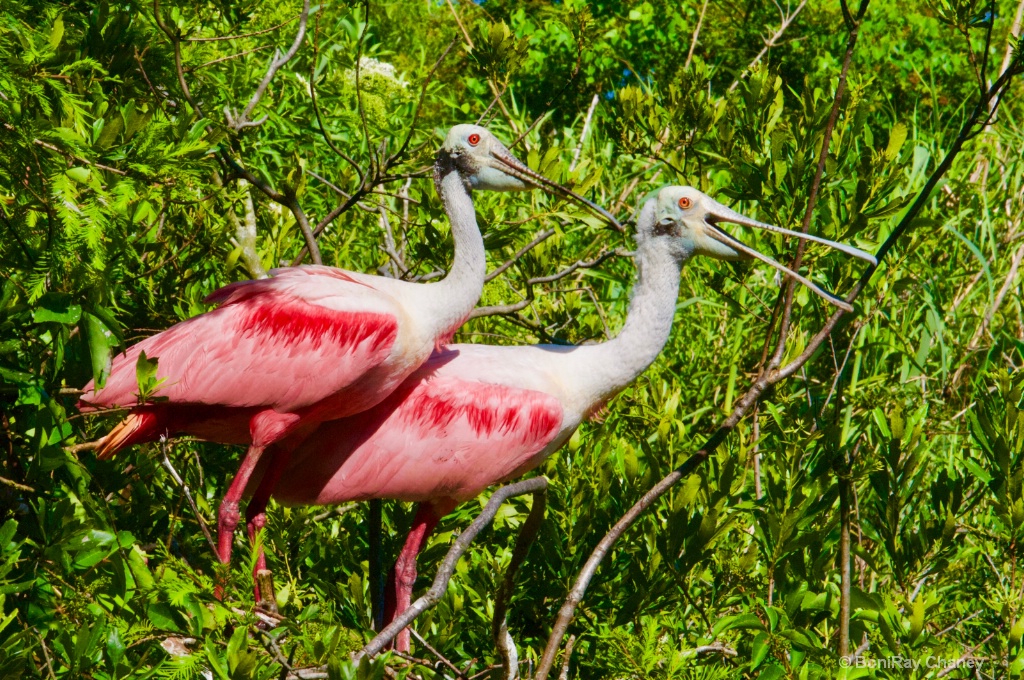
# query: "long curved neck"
450,300
607,368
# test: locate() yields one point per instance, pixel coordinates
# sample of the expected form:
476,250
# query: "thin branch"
227,58
175,38
166,462
68,154
537,240
447,568
581,264
440,657
279,60
768,44
499,622
696,34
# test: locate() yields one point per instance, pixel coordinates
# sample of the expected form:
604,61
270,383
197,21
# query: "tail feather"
137,427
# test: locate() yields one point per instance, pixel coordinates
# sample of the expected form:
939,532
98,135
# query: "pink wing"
285,342
435,437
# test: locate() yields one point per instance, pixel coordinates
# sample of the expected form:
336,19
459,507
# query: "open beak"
719,213
508,163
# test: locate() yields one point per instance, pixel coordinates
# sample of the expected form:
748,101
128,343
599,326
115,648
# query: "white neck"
603,370
448,302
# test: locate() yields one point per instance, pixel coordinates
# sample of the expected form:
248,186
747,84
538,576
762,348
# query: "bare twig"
447,568
68,154
16,485
499,622
84,446
967,655
768,44
227,58
440,657
1009,282
238,123
175,38
166,462
567,657
696,34
537,240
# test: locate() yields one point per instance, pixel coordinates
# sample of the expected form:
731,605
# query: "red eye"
685,203
473,139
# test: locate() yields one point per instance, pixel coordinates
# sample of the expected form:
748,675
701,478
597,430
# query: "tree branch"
768,44
447,568
499,622
242,121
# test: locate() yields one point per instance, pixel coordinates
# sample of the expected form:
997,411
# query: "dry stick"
538,239
845,479
276,63
166,462
175,38
66,154
447,568
768,44
440,657
762,383
696,34
853,27
499,623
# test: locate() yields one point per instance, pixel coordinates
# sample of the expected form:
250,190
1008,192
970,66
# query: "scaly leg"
402,578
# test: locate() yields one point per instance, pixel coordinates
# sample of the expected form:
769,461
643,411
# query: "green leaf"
115,647
56,33
101,342
163,617
897,137
56,308
79,174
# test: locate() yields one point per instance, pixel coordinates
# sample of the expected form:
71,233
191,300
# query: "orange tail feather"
135,428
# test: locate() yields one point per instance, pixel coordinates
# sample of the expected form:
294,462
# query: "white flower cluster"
368,67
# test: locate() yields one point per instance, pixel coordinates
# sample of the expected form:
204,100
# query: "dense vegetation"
135,179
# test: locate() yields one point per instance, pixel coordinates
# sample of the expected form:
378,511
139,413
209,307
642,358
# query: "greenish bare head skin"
487,165
691,218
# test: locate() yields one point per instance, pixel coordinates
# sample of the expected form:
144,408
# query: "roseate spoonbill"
281,355
477,415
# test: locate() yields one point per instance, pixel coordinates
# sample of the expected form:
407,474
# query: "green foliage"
122,208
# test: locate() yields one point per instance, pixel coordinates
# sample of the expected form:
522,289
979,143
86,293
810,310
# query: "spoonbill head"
692,217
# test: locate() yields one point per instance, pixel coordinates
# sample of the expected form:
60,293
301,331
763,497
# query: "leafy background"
123,205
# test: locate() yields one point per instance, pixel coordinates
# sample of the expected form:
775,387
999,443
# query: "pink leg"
402,577
255,511
266,427
227,515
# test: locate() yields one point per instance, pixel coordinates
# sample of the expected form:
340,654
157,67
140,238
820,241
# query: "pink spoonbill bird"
477,415
281,355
